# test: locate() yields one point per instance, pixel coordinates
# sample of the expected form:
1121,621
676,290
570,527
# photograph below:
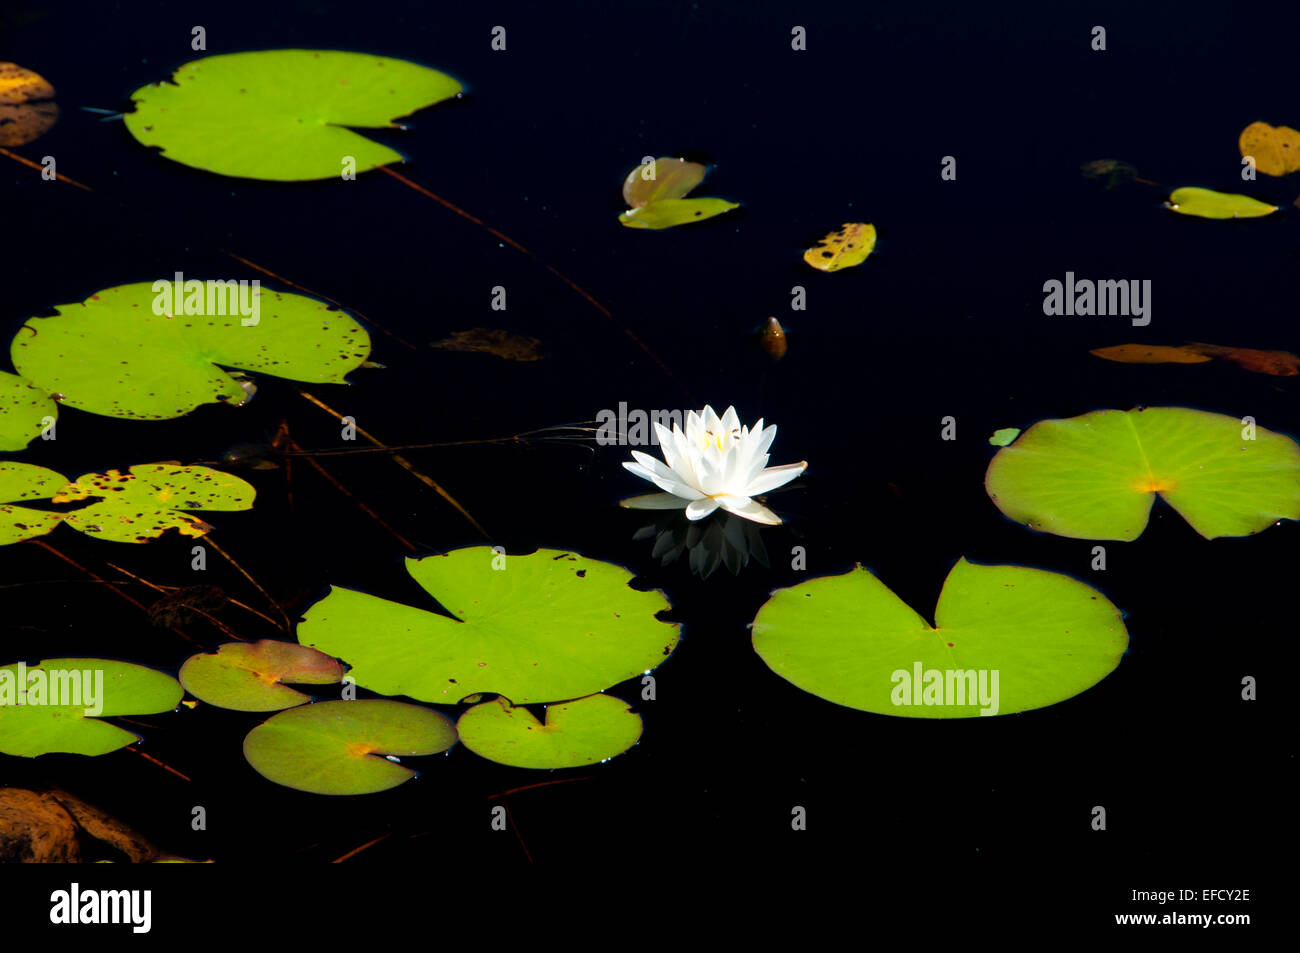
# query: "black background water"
944,319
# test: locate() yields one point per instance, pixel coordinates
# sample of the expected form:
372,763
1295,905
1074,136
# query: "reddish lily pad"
249,676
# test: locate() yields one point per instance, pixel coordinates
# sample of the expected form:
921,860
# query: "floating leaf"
1115,171
113,355
24,482
249,677
1005,436
1097,475
1277,363
668,179
25,112
1276,149
283,114
143,504
549,626
576,733
512,347
1006,639
23,409
38,725
669,212
1205,203
338,747
1150,354
844,248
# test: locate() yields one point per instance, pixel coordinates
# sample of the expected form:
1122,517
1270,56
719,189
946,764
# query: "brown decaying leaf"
41,828
512,347
1276,363
1276,150
25,111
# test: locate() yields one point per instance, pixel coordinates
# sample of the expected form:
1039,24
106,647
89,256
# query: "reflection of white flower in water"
715,463
720,540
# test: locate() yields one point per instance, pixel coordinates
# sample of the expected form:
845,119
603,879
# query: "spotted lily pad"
1096,476
283,114
250,676
143,504
666,213
545,627
62,700
339,747
24,408
112,355
576,733
26,482
1006,639
848,246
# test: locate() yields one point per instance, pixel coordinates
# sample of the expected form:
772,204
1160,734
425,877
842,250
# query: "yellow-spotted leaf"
1275,149
21,483
576,733
844,248
1206,203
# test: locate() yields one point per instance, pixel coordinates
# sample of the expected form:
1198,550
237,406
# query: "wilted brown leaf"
1150,354
1277,363
25,111
512,347
41,828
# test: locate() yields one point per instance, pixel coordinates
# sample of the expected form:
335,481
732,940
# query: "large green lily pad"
23,409
576,733
247,676
143,504
850,640
112,355
40,726
25,482
1097,475
550,626
283,114
339,747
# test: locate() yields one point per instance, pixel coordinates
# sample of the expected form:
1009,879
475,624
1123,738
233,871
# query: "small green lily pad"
24,408
1096,476
143,504
1206,203
666,213
549,626
247,676
283,114
1004,437
339,747
57,695
576,733
25,482
1006,639
112,355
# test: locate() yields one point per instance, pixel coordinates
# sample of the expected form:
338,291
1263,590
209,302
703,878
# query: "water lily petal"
668,485
773,477
749,509
698,509
653,501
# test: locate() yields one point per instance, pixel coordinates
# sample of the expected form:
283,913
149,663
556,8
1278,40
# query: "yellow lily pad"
844,248
1206,203
1276,149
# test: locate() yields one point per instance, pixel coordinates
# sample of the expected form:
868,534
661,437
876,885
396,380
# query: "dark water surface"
944,319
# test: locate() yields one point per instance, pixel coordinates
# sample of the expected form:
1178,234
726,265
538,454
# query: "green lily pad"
112,355
23,409
576,733
283,114
666,213
549,626
338,747
21,482
118,688
1006,639
143,504
1206,203
249,676
672,179
1004,437
1097,475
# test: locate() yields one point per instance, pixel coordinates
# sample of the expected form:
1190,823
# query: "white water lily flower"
715,463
